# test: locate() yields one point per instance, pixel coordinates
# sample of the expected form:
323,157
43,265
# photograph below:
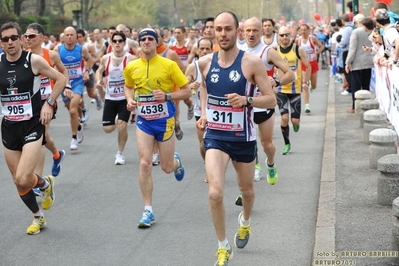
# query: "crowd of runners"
232,75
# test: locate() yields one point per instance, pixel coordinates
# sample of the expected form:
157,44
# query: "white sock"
148,208
223,244
46,184
245,222
39,213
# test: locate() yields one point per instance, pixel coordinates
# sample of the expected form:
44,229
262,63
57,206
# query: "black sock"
79,127
40,181
286,134
30,201
74,137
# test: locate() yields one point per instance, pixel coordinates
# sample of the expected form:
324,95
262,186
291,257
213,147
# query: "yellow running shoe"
272,175
224,255
38,223
242,236
48,196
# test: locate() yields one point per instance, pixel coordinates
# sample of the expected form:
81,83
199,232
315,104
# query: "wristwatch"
249,101
277,80
50,102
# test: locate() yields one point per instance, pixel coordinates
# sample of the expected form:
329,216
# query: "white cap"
359,18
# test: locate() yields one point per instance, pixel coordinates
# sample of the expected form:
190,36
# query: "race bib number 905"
17,107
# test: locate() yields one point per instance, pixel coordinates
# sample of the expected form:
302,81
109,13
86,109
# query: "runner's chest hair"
115,60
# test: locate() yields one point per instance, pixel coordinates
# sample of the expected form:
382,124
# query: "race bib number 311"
222,116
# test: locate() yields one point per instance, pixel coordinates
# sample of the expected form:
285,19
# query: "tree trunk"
17,7
41,7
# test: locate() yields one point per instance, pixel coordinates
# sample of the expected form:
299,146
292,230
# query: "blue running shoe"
146,220
179,172
56,168
37,192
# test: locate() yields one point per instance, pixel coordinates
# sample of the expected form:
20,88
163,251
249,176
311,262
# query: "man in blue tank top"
72,56
227,105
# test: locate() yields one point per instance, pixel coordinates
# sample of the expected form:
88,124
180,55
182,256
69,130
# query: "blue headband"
148,31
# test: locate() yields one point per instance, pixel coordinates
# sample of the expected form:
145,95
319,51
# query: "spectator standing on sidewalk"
345,32
359,62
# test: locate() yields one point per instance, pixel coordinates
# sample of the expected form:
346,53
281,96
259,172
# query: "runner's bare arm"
287,75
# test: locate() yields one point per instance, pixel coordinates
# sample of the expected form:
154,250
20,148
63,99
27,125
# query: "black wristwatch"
277,80
249,101
168,97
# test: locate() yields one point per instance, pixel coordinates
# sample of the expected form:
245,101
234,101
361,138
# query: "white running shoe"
80,134
85,114
99,102
258,173
344,92
74,144
190,112
155,159
119,159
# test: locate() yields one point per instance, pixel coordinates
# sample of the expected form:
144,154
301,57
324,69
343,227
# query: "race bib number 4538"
222,116
150,109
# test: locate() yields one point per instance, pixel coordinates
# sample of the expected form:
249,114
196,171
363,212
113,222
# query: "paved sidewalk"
349,218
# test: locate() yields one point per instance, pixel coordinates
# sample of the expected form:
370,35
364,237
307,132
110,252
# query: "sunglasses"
284,35
30,35
118,41
12,37
147,38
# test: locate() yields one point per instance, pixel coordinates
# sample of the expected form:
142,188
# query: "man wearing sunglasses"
149,83
25,117
289,95
72,56
130,45
33,39
112,65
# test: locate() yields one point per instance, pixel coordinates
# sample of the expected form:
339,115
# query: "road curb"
324,244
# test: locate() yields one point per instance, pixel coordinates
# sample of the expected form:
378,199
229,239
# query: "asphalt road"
98,204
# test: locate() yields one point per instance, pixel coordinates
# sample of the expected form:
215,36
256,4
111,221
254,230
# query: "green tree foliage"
135,12
140,13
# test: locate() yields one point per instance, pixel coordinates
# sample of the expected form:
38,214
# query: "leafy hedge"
53,24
